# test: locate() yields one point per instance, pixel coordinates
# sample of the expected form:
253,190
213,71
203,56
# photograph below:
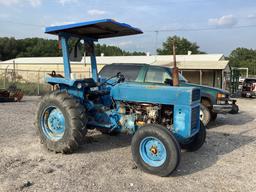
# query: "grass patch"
28,88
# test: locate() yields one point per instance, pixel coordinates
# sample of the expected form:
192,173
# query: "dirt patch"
104,163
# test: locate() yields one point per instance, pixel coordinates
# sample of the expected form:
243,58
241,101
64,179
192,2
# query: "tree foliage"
243,57
182,46
114,51
37,47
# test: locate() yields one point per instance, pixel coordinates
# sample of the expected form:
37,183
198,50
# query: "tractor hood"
205,87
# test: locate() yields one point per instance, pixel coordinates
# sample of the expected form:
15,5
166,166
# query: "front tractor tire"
197,141
205,115
155,150
60,122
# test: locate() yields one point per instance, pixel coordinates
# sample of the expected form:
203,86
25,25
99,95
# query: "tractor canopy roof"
98,29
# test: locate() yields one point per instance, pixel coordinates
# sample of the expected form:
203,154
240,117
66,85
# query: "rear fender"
69,85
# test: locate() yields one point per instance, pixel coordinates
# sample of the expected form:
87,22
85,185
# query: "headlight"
220,96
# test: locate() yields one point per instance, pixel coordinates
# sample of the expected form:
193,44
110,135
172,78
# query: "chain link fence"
32,82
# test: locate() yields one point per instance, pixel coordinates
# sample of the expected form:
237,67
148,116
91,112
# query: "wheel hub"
153,151
53,123
55,120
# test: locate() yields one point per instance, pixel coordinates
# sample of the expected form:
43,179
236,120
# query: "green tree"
114,51
182,46
37,47
243,57
8,48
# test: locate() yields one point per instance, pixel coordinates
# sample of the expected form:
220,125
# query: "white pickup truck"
249,87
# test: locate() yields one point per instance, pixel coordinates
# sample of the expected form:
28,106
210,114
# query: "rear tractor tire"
61,122
197,141
205,115
155,150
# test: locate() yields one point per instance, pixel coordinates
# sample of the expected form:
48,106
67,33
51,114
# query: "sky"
217,26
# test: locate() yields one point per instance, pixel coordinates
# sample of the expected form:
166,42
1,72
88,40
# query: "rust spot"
152,87
153,150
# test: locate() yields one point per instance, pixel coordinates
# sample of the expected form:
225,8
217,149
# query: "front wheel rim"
53,123
201,115
153,151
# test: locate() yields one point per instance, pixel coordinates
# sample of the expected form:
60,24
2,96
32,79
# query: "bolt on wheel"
153,151
53,123
60,122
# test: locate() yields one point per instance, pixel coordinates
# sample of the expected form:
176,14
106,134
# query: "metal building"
205,69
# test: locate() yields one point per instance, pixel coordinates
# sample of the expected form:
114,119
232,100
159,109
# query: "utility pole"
14,72
175,70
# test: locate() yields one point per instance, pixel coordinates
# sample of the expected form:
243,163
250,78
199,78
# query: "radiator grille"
195,94
194,117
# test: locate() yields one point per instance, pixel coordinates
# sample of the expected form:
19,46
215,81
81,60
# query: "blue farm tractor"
162,119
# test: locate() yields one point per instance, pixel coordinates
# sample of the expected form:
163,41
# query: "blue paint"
103,119
53,123
70,86
138,92
127,123
57,80
101,111
182,121
111,119
94,66
153,151
114,118
65,53
180,98
119,31
77,93
89,105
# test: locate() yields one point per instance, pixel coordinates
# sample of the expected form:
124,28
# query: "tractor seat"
97,93
89,82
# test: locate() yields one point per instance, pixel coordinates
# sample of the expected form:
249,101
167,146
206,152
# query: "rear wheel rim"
53,123
153,151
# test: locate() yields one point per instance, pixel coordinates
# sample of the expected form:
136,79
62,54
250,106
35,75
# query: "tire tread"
77,121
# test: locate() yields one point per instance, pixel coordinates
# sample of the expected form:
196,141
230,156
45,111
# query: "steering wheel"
120,78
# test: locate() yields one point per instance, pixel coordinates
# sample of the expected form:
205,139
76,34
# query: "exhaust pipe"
175,70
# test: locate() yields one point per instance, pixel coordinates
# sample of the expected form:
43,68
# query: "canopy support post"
90,49
65,54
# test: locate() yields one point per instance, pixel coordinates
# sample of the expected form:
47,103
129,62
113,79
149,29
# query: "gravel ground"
225,163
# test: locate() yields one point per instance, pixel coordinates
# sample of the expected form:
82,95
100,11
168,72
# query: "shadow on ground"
232,119
217,144
103,142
